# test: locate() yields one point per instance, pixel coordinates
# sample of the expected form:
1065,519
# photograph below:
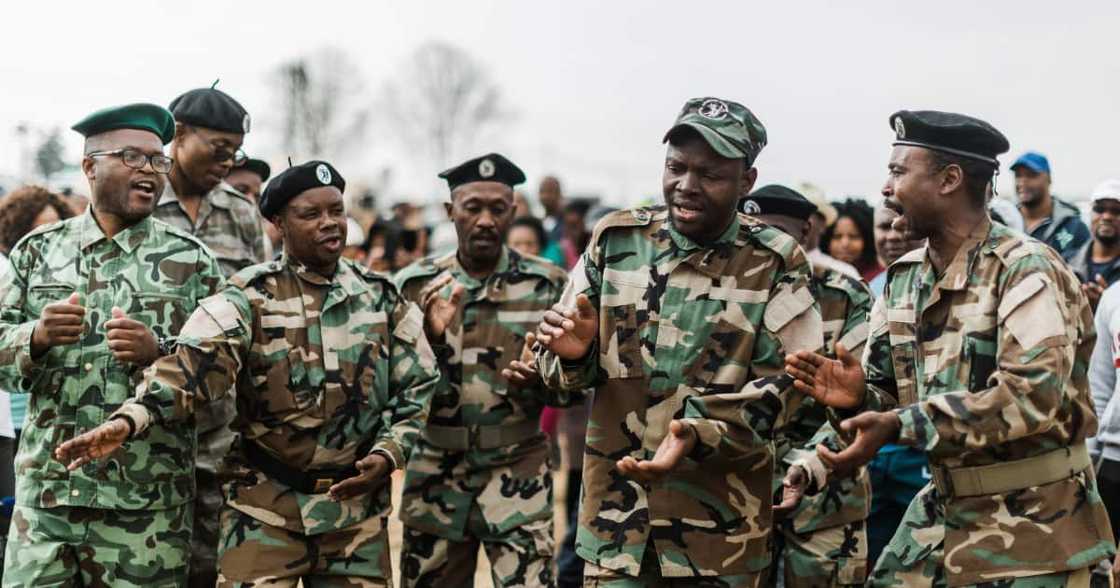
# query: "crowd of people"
211,370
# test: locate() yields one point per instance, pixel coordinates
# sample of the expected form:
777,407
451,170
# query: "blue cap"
1033,161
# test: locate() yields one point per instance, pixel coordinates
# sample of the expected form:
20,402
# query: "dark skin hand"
872,430
521,371
93,445
793,490
439,312
569,332
130,341
1093,291
373,473
680,441
59,323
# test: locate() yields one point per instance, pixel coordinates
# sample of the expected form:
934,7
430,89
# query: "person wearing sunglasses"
88,303
209,129
1097,262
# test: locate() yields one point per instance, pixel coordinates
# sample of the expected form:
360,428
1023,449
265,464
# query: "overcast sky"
594,85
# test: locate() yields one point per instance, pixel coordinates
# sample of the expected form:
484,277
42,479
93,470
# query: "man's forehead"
482,191
128,138
321,196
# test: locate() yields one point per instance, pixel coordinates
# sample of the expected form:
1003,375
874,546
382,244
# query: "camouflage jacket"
512,484
845,304
228,223
155,273
694,333
322,368
987,363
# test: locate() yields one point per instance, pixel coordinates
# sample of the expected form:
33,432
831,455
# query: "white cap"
355,235
1107,190
815,195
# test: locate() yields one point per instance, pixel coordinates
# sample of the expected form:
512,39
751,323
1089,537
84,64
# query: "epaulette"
427,266
177,232
44,229
248,276
1010,246
368,274
539,266
629,217
235,193
854,288
754,230
916,256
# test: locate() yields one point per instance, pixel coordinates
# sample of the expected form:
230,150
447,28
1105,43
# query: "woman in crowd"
526,236
851,238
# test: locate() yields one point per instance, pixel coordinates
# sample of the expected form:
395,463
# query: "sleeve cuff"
390,450
917,429
138,413
28,367
814,468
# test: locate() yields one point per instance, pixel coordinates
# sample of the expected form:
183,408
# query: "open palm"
838,383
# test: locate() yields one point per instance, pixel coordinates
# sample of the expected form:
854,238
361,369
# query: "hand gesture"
873,430
92,445
836,382
680,441
440,312
130,341
569,332
521,371
793,489
1093,290
373,472
59,323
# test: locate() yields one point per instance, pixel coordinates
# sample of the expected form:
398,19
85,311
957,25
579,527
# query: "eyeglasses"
220,154
1101,209
135,159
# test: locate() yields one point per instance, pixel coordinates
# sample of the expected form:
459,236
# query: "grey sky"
595,84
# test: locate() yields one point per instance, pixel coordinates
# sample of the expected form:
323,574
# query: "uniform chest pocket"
980,354
620,346
293,382
40,295
363,374
164,312
902,333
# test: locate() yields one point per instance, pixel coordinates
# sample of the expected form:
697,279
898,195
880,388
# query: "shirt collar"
688,245
90,232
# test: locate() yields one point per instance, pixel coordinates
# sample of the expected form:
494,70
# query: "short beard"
1108,241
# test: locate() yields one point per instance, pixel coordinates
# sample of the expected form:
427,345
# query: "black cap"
488,168
295,181
212,109
949,132
775,199
258,167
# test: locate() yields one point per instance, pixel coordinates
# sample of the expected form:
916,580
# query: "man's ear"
447,206
747,183
952,178
277,221
180,131
89,168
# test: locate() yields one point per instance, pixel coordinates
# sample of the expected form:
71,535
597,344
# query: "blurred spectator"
1097,262
249,177
1006,213
891,244
576,233
413,242
356,242
851,238
552,200
521,205
526,236
820,220
1047,218
382,242
1104,448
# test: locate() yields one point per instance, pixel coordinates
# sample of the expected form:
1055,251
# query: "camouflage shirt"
511,484
988,362
228,223
845,304
155,273
694,333
325,372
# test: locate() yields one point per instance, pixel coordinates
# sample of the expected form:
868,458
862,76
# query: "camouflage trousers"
75,546
825,558
214,441
521,556
595,576
255,554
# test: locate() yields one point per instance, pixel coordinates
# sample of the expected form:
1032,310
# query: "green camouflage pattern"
254,553
987,364
519,557
693,333
229,224
157,275
511,485
824,541
599,577
730,128
98,547
326,371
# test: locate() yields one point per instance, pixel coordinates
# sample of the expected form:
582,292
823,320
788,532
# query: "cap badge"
713,109
323,174
751,207
486,168
245,123
899,128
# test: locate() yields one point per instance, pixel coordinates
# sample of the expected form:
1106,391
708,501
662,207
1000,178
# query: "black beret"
949,132
212,109
488,168
145,117
258,167
295,181
775,199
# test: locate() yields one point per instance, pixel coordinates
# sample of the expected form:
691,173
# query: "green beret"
212,109
488,168
775,199
145,117
730,128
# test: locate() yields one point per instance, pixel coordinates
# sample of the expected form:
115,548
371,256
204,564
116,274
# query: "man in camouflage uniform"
331,368
209,129
820,541
87,304
981,341
480,472
678,315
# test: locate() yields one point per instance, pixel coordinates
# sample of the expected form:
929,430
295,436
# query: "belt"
315,481
480,436
999,478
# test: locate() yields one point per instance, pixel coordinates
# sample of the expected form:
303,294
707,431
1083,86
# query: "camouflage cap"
730,128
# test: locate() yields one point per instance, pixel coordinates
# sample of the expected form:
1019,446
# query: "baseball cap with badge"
730,128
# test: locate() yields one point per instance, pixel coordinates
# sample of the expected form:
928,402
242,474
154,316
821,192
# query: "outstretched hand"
93,445
569,332
680,441
872,430
793,490
521,371
838,383
440,312
373,472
